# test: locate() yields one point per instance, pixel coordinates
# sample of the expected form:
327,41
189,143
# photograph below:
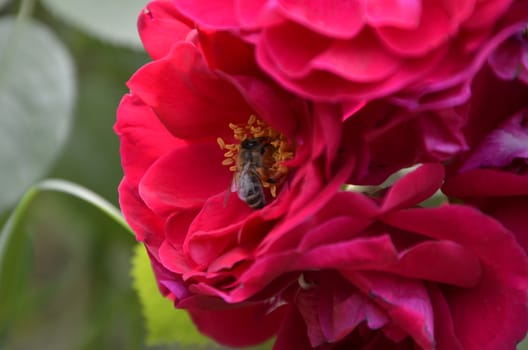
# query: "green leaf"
111,21
15,244
14,262
165,324
37,91
86,195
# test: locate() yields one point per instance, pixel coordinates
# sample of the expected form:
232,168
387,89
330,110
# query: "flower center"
258,153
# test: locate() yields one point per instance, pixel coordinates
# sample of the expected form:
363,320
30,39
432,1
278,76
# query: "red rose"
424,52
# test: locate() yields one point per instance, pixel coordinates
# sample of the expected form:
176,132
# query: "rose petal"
240,60
445,332
239,325
343,21
361,59
360,253
146,225
292,333
444,262
160,26
321,85
280,110
173,258
470,228
506,60
405,301
496,310
185,178
506,143
138,127
191,100
415,187
434,29
219,14
486,183
511,212
253,14
170,285
291,47
393,13
342,308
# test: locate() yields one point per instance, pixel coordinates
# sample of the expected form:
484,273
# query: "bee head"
250,144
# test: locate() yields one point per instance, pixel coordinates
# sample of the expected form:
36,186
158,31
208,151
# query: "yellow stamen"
272,175
221,143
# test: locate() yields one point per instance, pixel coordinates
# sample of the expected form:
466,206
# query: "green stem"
87,195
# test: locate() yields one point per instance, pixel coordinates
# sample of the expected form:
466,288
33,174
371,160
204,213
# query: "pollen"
273,171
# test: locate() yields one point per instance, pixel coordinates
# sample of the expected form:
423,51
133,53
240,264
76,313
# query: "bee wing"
232,188
234,183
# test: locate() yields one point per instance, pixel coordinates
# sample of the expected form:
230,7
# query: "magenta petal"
146,225
344,315
496,310
343,21
406,303
170,285
278,109
139,128
361,59
160,26
506,61
224,211
253,14
239,325
229,259
415,187
440,261
173,258
360,253
185,178
218,14
292,333
508,142
291,48
191,100
485,236
483,183
333,230
393,13
215,229
511,212
434,29
445,332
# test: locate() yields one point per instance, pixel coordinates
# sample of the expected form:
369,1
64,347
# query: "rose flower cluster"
334,174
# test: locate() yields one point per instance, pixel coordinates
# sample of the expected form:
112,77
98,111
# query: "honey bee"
254,161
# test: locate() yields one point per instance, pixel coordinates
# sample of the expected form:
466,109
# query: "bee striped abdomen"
250,189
